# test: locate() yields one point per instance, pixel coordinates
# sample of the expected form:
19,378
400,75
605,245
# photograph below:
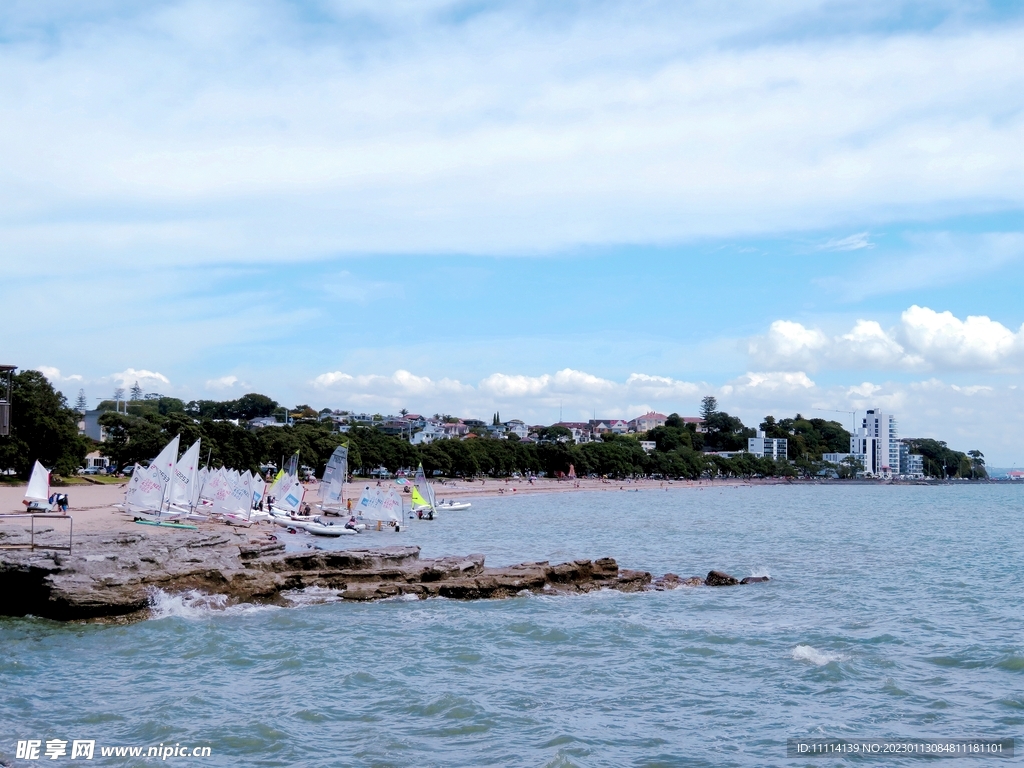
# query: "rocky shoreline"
110,575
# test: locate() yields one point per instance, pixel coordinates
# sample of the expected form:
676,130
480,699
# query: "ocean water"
892,612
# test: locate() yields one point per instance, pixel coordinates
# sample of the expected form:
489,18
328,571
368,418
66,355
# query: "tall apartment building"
879,440
772,447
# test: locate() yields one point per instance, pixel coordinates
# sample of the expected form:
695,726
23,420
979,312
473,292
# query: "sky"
547,210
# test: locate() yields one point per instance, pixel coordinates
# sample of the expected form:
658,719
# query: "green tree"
708,407
136,391
43,428
977,459
81,402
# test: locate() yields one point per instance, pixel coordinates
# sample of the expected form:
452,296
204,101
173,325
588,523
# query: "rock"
719,579
116,575
753,579
668,581
693,581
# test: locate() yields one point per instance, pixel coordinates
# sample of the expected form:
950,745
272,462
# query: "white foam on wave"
194,604
185,605
311,596
760,572
816,657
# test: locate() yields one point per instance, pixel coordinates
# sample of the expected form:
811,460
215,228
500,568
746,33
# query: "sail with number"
332,486
186,476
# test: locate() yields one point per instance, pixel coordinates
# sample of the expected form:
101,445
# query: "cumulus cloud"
923,340
966,415
576,393
53,374
146,379
225,383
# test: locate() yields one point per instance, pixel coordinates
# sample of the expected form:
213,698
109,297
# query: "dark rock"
693,581
719,579
668,581
753,579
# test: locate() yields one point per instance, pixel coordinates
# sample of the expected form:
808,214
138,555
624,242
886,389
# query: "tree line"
44,427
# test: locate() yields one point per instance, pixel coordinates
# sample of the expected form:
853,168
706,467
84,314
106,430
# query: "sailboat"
423,495
425,504
332,487
147,499
37,495
184,495
381,507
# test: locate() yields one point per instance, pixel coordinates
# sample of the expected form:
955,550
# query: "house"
429,434
616,426
647,422
648,445
264,421
697,421
458,429
580,430
93,460
517,428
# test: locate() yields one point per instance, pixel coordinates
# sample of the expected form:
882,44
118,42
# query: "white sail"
281,482
133,486
290,497
378,504
38,484
332,486
197,492
162,468
426,489
292,468
218,492
186,476
148,493
258,488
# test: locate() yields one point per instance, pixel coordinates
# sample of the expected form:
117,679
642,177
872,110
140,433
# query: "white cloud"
966,415
53,374
146,379
850,243
225,383
924,340
578,394
239,131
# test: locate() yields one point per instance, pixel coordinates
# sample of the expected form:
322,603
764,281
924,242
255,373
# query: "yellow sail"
418,500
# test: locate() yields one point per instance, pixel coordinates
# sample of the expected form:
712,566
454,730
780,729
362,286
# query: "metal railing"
31,545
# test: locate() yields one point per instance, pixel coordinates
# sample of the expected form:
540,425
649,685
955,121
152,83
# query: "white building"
518,428
429,434
879,439
648,445
773,447
839,458
647,422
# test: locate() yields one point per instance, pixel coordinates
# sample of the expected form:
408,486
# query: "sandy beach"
92,506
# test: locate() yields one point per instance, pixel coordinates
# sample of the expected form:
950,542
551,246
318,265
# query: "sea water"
891,612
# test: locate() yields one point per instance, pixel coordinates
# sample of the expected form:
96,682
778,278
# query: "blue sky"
462,207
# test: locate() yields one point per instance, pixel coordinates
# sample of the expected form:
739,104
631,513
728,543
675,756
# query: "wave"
311,596
194,604
759,573
816,657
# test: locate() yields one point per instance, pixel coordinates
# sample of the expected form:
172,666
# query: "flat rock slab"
109,575
115,574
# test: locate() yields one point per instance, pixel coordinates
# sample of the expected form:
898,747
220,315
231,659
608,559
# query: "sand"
92,506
